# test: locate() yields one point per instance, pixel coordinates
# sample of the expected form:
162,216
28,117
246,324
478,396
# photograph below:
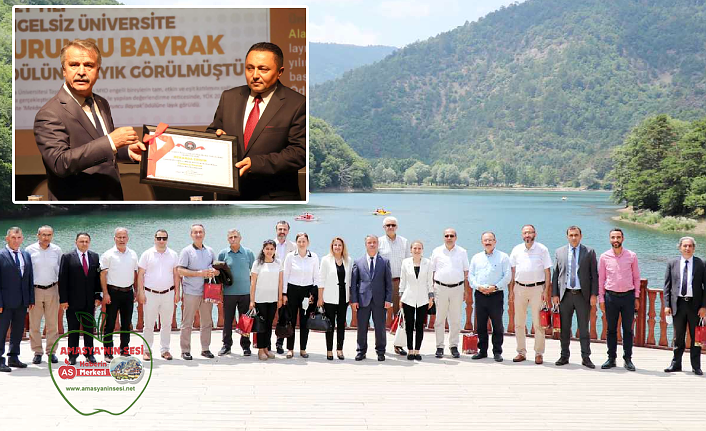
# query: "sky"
365,22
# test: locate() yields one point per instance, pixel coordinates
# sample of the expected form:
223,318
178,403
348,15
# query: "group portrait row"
285,278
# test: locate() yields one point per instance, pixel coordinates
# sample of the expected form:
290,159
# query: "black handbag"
259,324
284,327
318,321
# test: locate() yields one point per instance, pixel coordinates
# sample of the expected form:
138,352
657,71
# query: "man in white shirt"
394,248
158,288
45,265
118,281
531,265
450,265
283,248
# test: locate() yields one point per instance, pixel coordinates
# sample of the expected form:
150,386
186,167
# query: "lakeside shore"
700,228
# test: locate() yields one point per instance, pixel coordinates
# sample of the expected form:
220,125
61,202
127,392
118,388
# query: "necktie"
85,264
572,281
99,128
372,265
684,278
252,120
17,262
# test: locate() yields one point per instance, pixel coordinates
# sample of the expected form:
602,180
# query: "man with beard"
283,247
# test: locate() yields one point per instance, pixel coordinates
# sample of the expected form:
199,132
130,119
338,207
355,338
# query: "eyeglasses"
449,236
160,238
390,225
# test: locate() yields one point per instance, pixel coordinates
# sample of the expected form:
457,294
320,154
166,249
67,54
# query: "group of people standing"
393,274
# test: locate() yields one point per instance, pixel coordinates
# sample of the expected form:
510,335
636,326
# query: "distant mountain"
546,86
330,60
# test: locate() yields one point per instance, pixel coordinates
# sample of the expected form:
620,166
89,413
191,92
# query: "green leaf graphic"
86,319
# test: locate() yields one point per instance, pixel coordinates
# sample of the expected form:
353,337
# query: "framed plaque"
185,159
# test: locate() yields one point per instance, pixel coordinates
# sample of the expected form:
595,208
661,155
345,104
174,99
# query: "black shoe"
280,350
360,356
417,357
54,359
108,358
224,351
479,355
439,353
37,359
186,356
13,362
610,363
410,357
629,365
400,351
586,362
455,353
381,357
673,368
72,361
91,359
329,357
125,355
207,354
498,357
247,352
5,369
698,371
563,360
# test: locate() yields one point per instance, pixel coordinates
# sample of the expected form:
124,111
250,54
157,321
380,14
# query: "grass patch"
655,219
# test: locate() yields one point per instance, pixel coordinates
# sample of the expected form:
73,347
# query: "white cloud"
334,31
404,9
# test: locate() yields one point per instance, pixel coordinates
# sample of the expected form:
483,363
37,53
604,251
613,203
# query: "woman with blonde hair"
334,292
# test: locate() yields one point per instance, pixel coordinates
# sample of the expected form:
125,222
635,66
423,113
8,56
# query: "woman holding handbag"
266,294
301,269
334,292
416,296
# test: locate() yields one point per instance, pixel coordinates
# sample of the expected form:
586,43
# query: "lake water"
421,215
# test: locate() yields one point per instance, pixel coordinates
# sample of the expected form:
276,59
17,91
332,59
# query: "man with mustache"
75,133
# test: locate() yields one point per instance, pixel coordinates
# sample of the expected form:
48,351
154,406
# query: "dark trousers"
619,307
379,314
268,311
569,303
13,319
230,303
414,320
295,296
75,325
123,303
336,313
489,307
687,312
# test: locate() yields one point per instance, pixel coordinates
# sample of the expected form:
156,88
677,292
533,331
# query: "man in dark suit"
16,295
269,121
80,291
685,300
75,133
371,293
575,287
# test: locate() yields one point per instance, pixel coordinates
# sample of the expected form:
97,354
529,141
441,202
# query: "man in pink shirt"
618,295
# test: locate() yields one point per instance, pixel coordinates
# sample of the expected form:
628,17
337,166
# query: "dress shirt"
251,104
121,266
195,259
689,276
45,263
394,251
573,267
284,248
530,263
87,110
301,271
267,286
240,263
618,273
449,265
19,255
490,270
159,268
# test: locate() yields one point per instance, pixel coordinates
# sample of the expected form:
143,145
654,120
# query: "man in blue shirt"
489,275
237,295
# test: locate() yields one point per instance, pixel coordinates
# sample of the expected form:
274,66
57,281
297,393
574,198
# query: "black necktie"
684,278
573,267
99,128
372,265
17,262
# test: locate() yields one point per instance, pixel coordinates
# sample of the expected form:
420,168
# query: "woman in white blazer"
334,293
416,296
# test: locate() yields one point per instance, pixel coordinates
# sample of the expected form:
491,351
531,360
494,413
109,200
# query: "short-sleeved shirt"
449,265
530,263
195,259
267,286
394,251
45,263
121,266
240,264
159,268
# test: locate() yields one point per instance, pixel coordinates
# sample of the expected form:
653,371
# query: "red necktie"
252,120
85,264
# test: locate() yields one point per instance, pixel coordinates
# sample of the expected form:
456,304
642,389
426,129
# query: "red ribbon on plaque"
154,153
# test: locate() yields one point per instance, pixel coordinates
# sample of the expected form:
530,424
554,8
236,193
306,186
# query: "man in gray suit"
685,300
371,293
575,287
75,133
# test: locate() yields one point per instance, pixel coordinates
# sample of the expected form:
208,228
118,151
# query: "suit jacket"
415,291
16,290
277,147
79,164
328,278
75,287
366,287
587,271
672,283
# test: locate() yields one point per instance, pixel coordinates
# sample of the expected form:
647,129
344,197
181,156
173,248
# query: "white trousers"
449,305
162,306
